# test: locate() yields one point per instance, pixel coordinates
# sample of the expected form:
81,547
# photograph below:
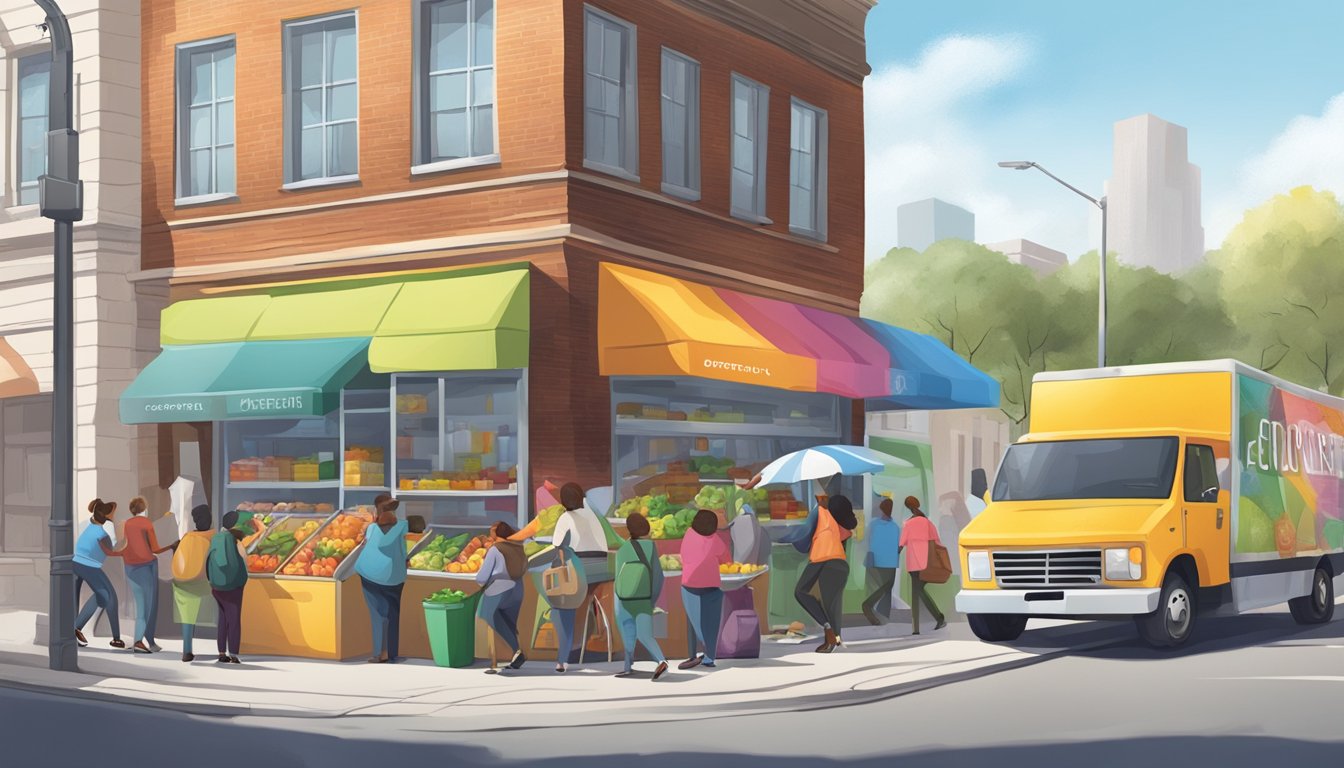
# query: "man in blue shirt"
883,561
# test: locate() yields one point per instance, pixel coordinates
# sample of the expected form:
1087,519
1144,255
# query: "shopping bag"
562,585
939,569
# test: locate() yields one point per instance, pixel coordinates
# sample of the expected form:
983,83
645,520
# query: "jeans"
188,632
637,627
565,621
104,596
918,595
230,619
880,599
704,610
384,603
832,574
501,613
144,581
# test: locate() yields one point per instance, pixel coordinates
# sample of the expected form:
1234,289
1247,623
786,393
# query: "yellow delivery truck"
1159,492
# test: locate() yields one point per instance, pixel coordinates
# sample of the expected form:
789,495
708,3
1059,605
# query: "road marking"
1291,678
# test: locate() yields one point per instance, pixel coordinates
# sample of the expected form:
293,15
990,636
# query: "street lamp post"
1022,165
61,199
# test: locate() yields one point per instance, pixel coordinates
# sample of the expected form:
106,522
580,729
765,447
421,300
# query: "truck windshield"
1126,468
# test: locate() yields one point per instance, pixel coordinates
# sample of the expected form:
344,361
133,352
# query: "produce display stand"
414,639
314,617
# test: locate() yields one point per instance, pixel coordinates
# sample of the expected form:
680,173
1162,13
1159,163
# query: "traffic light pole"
61,196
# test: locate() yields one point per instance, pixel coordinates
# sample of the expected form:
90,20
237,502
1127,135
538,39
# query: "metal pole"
1101,291
61,197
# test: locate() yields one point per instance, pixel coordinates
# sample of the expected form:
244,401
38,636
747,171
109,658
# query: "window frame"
629,169
421,130
182,134
820,160
691,191
1193,458
291,105
15,199
760,142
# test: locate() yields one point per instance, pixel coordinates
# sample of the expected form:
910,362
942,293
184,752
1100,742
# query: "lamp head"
1017,165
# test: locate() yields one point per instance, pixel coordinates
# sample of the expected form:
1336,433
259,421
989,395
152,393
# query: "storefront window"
458,447
289,461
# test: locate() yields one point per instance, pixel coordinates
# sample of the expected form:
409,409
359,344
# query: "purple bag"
740,630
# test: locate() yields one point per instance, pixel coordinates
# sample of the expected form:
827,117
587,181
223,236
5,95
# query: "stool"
601,611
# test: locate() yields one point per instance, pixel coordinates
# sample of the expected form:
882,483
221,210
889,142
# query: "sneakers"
518,661
941,623
661,670
708,665
625,673
140,647
235,660
118,643
79,638
691,663
154,647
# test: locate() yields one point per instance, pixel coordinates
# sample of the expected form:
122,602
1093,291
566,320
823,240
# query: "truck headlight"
1124,564
977,566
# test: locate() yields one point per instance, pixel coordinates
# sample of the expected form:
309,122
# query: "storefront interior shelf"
349,411
461,494
282,484
367,488
658,428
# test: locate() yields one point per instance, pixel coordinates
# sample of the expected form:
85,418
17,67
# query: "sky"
958,85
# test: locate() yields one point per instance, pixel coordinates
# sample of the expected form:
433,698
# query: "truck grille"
1068,568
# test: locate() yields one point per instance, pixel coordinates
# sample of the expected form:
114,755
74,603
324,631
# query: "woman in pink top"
702,552
915,538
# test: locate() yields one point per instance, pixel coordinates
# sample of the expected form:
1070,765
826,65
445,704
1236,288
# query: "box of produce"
279,543
657,412
332,546
472,555
709,467
438,553
412,404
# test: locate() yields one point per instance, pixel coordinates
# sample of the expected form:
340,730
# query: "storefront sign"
753,370
189,408
271,404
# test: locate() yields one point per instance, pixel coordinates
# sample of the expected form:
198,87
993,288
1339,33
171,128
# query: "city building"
1039,259
1153,197
923,223
107,335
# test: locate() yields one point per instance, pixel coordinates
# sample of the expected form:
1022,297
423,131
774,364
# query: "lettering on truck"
1296,448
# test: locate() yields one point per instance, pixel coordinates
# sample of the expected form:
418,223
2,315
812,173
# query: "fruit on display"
549,517
305,564
472,555
336,542
306,530
447,597
263,563
670,562
710,467
672,526
733,569
711,497
440,551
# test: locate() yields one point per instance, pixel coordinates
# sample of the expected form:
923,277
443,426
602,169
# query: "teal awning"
244,380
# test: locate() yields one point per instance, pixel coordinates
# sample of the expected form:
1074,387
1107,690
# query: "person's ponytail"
94,505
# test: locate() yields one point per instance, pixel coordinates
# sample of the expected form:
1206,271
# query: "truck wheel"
1174,620
1318,607
997,627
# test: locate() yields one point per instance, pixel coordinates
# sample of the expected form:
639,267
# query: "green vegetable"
447,596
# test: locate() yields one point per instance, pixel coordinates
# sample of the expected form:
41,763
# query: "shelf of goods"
444,556
303,604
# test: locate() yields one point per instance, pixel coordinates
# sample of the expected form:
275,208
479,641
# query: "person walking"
639,582
702,552
140,555
915,538
227,572
583,532
501,579
883,561
828,567
92,549
190,585
382,576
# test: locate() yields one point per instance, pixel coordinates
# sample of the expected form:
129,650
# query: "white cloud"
1309,151
920,144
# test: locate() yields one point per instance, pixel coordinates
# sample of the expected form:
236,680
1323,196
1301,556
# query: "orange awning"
16,378
654,325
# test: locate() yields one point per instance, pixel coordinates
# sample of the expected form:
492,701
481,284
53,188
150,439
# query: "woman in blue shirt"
884,560
92,549
382,572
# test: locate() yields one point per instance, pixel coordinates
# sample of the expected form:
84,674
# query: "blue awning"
927,375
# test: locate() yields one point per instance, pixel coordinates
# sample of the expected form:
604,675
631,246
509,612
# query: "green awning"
472,323
243,380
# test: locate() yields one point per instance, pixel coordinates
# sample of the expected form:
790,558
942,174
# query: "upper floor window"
751,108
456,83
321,100
807,170
610,120
681,125
34,79
205,120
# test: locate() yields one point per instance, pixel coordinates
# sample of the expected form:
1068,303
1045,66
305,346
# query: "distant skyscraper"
1041,260
1154,197
921,224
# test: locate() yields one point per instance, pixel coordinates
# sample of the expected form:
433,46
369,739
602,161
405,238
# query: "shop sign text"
263,405
736,367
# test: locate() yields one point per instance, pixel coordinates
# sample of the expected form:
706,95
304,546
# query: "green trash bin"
452,631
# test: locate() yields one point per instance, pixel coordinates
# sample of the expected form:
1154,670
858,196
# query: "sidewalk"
875,663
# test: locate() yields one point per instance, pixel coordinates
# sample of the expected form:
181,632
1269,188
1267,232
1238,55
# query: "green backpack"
635,580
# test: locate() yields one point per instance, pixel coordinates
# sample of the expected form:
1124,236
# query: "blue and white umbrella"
825,461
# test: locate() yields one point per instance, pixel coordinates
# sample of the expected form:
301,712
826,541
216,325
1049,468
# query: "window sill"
22,208
188,202
330,181
810,234
443,166
751,217
610,170
681,193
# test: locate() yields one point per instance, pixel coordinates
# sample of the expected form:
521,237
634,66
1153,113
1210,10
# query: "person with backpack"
916,535
501,579
92,549
639,581
828,566
702,552
381,566
191,588
227,572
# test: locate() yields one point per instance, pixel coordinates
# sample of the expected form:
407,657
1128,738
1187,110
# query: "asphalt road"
1253,690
